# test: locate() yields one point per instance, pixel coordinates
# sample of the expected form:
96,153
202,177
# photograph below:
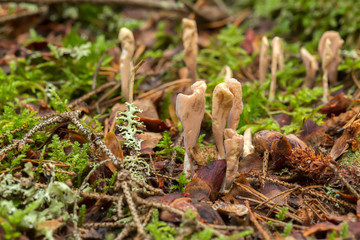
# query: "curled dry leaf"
336,105
204,212
280,151
208,214
271,189
149,141
342,143
154,125
252,162
113,144
190,41
282,119
183,204
312,134
320,227
296,142
335,124
207,181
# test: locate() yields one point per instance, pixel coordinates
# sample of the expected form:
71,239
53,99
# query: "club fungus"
190,41
221,106
277,63
248,146
190,111
336,43
311,66
327,57
226,73
234,144
126,38
237,108
263,59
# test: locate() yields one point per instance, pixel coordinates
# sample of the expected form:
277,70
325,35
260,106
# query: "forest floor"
83,156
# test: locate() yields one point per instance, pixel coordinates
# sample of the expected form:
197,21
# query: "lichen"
128,124
138,167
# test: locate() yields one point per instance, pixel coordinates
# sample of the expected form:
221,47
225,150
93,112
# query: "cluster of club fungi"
227,103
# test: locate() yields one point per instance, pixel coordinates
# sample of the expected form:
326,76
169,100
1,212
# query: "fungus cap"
128,47
221,106
234,144
336,44
190,111
237,107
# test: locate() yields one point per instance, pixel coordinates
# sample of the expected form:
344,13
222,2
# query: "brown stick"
164,86
255,222
88,95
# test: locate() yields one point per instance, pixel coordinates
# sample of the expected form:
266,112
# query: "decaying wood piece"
190,111
335,124
126,38
277,63
263,65
311,66
190,41
327,57
336,43
221,106
237,108
263,140
234,144
351,131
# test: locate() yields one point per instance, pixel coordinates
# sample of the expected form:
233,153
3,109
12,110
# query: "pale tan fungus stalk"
226,73
190,111
248,146
126,38
221,106
311,66
234,144
327,57
336,44
190,41
277,63
264,61
237,108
